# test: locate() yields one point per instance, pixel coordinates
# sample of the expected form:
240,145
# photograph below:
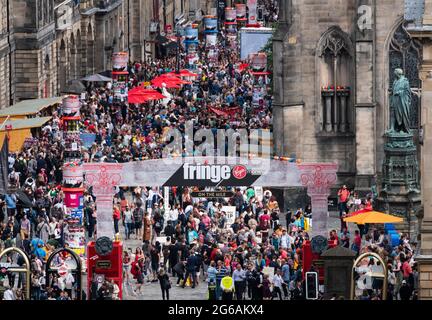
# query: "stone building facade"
354,46
44,44
7,45
333,63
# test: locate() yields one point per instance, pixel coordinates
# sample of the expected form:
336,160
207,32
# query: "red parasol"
141,95
171,79
169,84
184,73
142,90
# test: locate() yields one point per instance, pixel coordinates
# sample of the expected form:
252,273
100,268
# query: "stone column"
103,177
427,17
425,258
365,101
318,178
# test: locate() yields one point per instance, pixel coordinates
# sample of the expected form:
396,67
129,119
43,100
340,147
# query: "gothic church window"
405,53
335,52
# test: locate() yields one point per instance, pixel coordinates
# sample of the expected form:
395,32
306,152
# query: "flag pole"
4,122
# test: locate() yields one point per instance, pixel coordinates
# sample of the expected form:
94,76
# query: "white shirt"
8,295
285,241
277,281
173,215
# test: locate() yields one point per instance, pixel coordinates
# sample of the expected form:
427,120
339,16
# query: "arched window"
405,53
335,53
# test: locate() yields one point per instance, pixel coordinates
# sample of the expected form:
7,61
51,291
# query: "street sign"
212,194
311,286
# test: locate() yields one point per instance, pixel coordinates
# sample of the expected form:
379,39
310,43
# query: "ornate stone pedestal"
400,194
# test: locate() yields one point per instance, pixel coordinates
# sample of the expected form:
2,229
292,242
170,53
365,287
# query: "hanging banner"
210,24
241,12
88,139
259,62
230,15
252,7
211,40
226,112
73,175
191,35
71,106
120,61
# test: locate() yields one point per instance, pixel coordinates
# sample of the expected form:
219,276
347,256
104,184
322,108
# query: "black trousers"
285,290
116,226
194,278
249,291
180,277
239,289
227,296
165,292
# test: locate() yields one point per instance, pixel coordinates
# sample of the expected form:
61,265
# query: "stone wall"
298,81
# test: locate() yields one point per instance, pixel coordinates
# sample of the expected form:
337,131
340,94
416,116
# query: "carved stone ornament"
103,246
318,244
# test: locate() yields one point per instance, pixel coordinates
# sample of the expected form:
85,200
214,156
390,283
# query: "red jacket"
116,214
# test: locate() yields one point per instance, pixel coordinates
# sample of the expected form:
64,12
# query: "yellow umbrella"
373,217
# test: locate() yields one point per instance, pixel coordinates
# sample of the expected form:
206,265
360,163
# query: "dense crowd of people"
257,256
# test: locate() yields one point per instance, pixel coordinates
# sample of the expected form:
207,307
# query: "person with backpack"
138,216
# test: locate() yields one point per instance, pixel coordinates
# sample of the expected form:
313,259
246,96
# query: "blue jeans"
128,229
218,289
36,293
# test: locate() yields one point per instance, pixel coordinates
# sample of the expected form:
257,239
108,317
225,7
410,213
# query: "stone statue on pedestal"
400,103
400,194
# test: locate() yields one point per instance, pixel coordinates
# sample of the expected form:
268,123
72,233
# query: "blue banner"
210,25
88,139
191,35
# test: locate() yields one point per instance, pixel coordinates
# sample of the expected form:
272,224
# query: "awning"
16,124
29,107
96,78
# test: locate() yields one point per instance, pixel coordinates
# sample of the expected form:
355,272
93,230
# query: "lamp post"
178,35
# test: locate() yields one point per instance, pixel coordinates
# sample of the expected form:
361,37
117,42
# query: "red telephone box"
111,265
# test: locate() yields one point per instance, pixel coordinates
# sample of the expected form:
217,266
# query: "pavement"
152,291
